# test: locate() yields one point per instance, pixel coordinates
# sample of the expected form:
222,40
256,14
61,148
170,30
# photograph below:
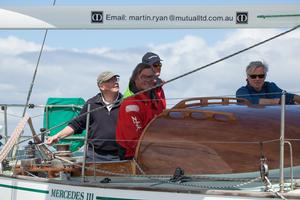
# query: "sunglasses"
147,78
157,65
114,79
254,76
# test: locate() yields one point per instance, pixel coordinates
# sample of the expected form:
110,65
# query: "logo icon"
97,17
242,17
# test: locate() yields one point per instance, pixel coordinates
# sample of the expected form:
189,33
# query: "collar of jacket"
116,103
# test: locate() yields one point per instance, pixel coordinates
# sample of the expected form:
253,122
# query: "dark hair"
136,72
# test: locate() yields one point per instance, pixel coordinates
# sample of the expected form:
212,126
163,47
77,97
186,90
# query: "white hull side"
22,189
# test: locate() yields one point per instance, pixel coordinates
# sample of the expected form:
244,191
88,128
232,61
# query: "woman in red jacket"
138,110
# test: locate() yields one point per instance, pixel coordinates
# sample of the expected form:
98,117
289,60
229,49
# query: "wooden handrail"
205,115
204,101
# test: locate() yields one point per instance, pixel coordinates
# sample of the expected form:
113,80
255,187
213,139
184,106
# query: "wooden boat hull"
217,139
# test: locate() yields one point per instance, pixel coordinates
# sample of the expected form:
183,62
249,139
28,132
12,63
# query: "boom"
149,17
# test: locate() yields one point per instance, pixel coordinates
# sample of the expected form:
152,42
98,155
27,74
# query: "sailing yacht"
201,148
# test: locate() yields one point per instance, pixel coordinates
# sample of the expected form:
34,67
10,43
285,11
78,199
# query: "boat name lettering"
67,194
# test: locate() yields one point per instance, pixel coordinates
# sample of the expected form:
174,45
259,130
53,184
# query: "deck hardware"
264,172
105,180
179,177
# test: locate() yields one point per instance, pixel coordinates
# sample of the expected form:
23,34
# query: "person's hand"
52,140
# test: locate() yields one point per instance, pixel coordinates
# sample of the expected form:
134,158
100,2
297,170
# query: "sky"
72,59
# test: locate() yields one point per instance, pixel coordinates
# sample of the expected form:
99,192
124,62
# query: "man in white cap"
101,136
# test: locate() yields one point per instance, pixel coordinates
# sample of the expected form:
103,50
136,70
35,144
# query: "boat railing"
292,164
86,144
204,101
282,142
4,108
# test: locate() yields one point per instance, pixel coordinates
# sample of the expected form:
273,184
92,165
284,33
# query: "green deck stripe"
111,198
270,16
24,188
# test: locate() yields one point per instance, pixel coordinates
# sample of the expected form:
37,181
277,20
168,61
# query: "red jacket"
134,115
160,95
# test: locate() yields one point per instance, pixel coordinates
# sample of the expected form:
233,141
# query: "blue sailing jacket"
269,91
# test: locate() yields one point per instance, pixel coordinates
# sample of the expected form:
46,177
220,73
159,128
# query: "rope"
14,138
191,143
215,187
179,141
198,185
138,166
158,177
224,58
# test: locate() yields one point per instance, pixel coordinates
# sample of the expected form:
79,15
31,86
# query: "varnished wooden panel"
225,139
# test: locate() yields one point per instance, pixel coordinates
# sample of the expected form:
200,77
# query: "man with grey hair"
259,91
102,144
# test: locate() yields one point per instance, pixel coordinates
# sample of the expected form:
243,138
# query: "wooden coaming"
217,139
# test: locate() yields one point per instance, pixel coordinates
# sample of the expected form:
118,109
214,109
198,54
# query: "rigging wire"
180,76
188,73
15,150
205,66
231,55
34,74
36,68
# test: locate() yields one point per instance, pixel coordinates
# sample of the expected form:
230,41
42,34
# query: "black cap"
151,58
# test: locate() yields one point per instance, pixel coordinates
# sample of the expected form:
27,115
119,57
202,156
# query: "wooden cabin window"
198,115
176,115
221,117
